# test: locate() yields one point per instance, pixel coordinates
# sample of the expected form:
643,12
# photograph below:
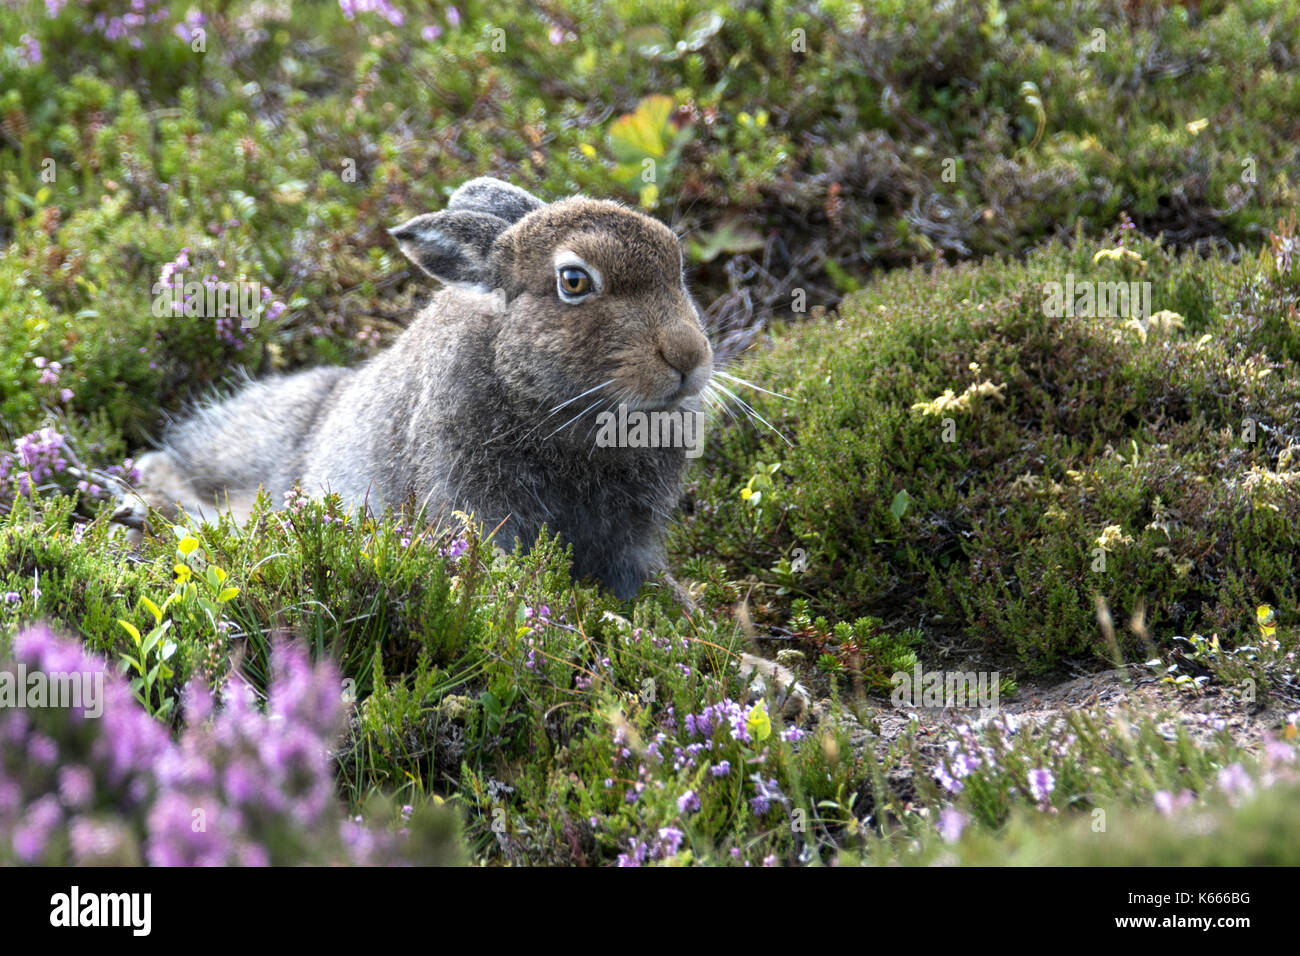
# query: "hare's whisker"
757,388
583,395
749,410
574,418
609,405
718,401
545,418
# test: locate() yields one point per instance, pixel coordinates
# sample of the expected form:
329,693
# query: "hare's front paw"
160,487
680,594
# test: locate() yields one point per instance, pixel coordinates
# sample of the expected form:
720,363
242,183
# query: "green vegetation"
1152,462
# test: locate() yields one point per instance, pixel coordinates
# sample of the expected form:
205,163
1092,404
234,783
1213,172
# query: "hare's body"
487,403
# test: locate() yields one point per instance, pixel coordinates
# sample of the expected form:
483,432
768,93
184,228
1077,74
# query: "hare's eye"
575,283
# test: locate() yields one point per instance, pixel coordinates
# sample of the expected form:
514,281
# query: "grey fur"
489,195
464,411
452,246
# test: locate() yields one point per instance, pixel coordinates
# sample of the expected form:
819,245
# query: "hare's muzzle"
688,358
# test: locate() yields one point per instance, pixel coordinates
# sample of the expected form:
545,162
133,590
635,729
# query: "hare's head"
594,298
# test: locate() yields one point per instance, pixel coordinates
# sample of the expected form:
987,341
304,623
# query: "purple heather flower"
93,841
76,786
688,802
1235,782
1168,804
951,822
1041,784
29,50
40,455
636,857
1277,752
42,750
32,835
964,764
946,779
455,549
766,793
670,841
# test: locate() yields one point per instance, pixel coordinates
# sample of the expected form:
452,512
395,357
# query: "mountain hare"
490,401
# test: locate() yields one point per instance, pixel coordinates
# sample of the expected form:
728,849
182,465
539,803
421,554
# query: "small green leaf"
700,30
153,609
730,237
899,507
643,132
652,41
227,594
130,629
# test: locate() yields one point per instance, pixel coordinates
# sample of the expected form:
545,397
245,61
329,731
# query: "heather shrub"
1100,789
960,456
102,782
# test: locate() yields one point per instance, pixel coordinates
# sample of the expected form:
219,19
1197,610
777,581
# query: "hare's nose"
685,352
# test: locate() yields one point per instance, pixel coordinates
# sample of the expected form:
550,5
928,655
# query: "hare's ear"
494,197
452,246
